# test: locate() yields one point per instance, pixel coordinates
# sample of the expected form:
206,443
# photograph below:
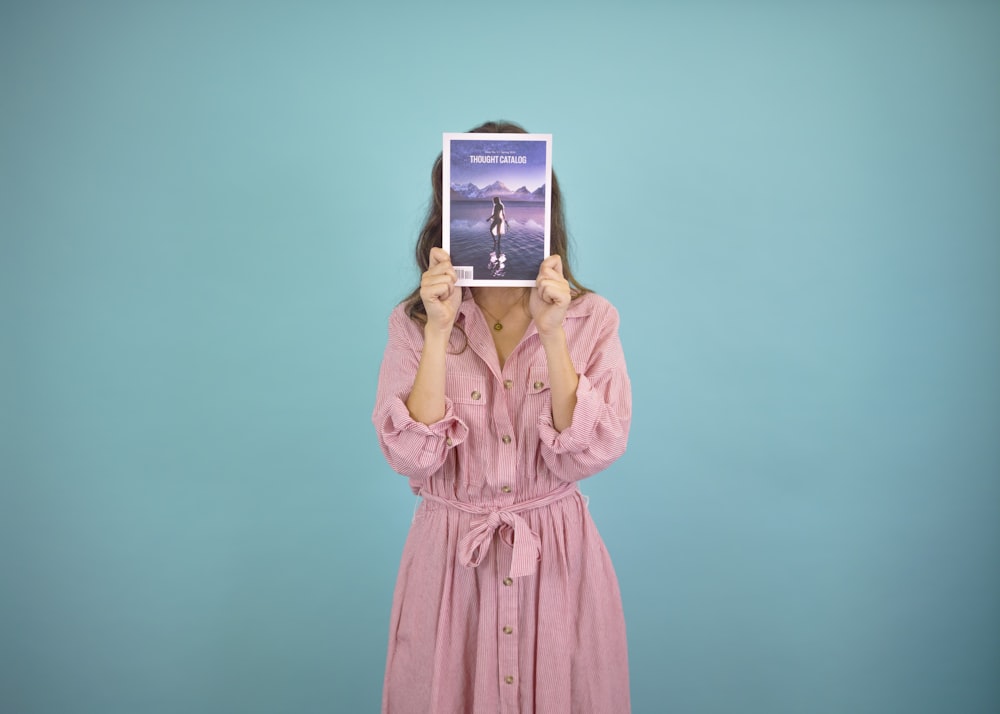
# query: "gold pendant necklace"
498,321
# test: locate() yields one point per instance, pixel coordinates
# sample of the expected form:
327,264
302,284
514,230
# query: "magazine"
497,202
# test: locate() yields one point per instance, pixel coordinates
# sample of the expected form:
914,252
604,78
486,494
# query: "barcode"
464,272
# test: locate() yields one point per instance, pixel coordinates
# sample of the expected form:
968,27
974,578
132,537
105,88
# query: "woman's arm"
441,298
598,431
426,401
592,410
412,415
549,301
563,379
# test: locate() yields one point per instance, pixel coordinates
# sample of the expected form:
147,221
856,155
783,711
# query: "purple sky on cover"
514,176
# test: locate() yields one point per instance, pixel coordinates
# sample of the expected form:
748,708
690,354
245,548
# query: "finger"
437,293
547,274
439,271
551,267
443,268
434,282
554,262
545,293
438,255
554,292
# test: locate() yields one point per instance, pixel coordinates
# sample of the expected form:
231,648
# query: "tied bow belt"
506,522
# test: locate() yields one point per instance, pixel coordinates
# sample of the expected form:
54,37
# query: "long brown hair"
430,234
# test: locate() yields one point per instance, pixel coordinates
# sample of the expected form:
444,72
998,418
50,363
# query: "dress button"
508,581
509,679
448,441
508,629
539,385
508,383
505,489
476,395
505,439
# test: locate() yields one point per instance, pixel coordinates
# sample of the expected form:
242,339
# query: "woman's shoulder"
400,311
594,305
400,320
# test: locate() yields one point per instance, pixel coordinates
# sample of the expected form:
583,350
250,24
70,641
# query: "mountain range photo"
471,192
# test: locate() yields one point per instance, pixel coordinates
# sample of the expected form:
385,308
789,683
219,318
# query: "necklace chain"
498,321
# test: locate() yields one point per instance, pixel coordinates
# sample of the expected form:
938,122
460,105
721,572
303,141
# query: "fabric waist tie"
527,547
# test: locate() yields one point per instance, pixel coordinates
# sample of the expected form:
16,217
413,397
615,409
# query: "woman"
495,402
497,219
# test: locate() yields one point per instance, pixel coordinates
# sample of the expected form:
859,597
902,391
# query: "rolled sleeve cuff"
448,429
578,435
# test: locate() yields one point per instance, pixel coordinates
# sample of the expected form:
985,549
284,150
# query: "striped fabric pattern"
506,599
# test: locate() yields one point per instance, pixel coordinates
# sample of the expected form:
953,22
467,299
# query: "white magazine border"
449,137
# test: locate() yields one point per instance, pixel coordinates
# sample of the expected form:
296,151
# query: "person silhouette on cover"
498,221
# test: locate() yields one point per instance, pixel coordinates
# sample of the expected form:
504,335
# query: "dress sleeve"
598,432
413,449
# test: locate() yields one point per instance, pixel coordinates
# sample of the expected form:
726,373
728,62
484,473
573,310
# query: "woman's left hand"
550,297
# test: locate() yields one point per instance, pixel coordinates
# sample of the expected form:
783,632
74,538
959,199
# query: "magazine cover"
497,206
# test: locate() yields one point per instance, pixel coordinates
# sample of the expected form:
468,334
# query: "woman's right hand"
439,293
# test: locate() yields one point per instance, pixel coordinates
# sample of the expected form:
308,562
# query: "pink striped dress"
506,600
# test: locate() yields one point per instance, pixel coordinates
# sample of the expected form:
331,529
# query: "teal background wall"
207,212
